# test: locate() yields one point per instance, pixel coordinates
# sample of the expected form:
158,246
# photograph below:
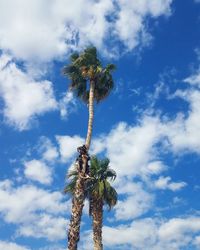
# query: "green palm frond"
74,56
110,67
110,195
70,187
72,173
71,177
70,70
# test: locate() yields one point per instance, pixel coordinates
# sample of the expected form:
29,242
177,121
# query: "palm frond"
110,195
72,173
70,187
74,57
110,67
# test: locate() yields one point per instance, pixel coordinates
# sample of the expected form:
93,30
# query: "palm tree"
99,192
90,82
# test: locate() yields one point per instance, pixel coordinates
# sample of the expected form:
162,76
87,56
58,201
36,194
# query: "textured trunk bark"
91,114
97,216
78,199
77,207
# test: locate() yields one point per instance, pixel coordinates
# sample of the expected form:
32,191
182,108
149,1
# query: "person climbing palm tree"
91,82
99,192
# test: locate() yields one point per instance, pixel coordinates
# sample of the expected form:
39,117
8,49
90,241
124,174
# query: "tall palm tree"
90,82
99,192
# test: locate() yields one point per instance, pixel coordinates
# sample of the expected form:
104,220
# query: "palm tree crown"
98,186
83,69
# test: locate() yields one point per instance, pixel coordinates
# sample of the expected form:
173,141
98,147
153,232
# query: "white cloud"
131,148
21,203
68,146
43,30
136,201
194,80
130,236
48,151
175,234
67,104
50,154
24,98
197,242
46,226
37,212
53,247
130,25
175,228
183,132
166,183
156,167
4,245
38,171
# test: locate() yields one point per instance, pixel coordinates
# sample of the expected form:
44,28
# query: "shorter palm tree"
99,192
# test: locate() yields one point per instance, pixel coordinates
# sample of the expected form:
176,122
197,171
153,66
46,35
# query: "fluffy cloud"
166,183
46,226
38,171
24,98
67,104
35,210
11,246
43,30
130,25
46,148
32,199
135,202
131,148
175,234
194,80
183,132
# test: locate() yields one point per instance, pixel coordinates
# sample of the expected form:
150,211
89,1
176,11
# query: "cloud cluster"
38,171
34,209
166,183
24,98
150,233
183,132
136,201
11,246
48,151
175,234
42,30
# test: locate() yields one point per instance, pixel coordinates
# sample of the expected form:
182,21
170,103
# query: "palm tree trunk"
97,216
91,114
78,199
77,207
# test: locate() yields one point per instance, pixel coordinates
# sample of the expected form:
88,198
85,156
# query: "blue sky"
148,127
